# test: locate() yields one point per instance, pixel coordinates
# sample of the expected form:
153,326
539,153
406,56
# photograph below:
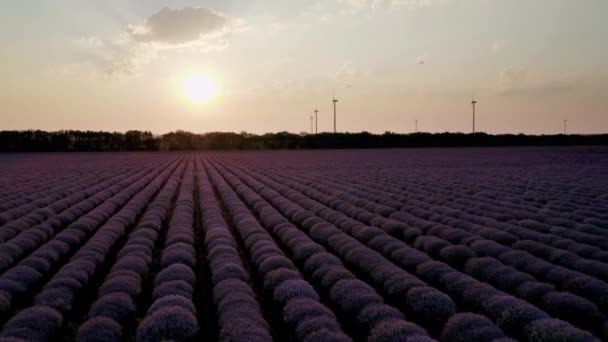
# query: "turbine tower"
311,117
316,121
334,101
473,103
565,127
415,126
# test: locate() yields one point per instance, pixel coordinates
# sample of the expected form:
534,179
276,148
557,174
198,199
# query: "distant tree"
72,140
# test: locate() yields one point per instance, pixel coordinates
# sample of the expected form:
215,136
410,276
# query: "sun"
199,89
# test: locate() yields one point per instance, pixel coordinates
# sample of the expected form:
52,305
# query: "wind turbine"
311,117
473,103
316,121
334,102
415,126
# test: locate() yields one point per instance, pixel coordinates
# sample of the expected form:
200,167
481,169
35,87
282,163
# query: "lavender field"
504,244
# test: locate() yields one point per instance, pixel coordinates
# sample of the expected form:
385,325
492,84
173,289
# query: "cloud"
180,26
89,42
413,4
347,72
359,5
190,28
323,9
517,81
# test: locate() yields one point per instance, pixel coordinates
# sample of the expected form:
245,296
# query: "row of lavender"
304,249
519,277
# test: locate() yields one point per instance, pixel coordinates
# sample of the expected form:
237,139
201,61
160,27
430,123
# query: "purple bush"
313,324
353,294
175,272
100,329
372,314
574,309
512,314
298,309
38,323
387,331
548,330
293,289
457,255
116,306
320,260
274,262
429,305
329,276
176,287
173,301
533,291
170,323
124,284
468,327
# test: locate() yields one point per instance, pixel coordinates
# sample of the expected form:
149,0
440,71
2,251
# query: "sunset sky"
120,65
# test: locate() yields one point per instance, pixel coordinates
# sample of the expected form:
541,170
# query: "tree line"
89,141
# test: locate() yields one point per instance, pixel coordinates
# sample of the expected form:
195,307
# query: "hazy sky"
119,65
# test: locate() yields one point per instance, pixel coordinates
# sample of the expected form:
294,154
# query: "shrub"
398,284
509,278
292,289
476,293
489,248
240,327
175,272
353,294
242,300
100,329
274,262
37,323
372,314
533,291
409,258
311,221
433,246
116,306
483,268
228,270
133,263
512,314
304,251
388,331
321,260
300,308
176,287
171,323
325,335
331,275
432,271
60,298
123,284
172,300
573,309
313,324
468,327
276,277
41,265
430,305
550,330
456,255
